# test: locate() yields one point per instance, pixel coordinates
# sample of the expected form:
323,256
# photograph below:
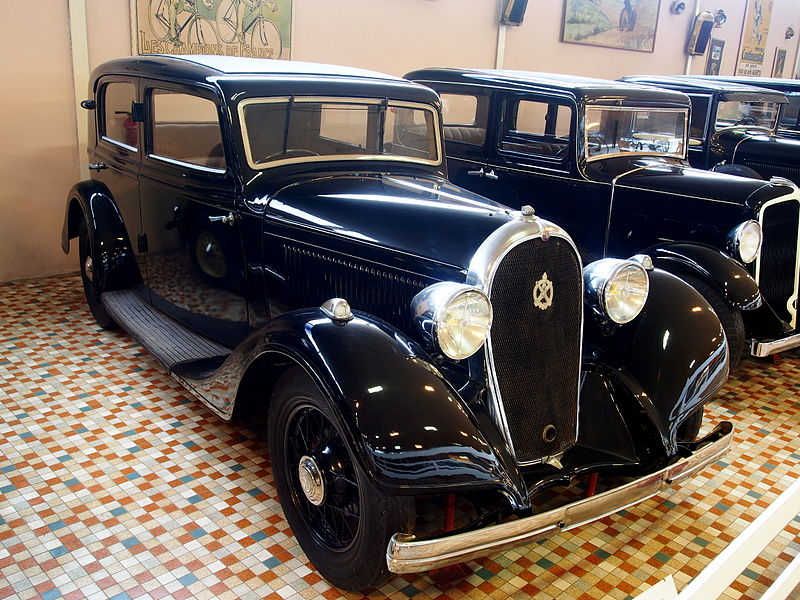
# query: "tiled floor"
114,483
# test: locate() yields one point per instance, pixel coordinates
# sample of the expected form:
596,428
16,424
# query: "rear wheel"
342,522
91,275
731,319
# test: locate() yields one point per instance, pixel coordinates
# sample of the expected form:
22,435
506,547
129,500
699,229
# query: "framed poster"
251,28
779,63
624,24
754,37
714,60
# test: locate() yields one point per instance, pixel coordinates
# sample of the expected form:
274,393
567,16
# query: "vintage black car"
789,113
733,127
607,160
239,208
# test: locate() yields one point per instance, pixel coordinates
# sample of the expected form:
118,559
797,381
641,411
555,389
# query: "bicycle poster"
249,28
623,24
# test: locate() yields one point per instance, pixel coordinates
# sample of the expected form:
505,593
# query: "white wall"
38,127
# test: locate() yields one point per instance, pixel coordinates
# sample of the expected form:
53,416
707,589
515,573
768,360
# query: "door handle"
228,219
98,166
481,173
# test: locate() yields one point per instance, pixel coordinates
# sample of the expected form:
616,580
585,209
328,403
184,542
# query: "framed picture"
250,28
714,60
623,24
780,62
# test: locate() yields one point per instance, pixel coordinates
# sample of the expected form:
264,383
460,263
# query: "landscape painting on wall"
624,24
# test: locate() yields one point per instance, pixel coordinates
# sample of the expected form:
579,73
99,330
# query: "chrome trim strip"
482,269
404,554
762,349
792,300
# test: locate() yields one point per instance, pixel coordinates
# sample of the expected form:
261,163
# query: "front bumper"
408,555
762,349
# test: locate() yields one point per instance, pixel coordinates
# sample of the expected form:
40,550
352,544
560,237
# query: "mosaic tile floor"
114,483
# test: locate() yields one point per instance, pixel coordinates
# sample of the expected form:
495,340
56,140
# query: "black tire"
688,430
91,273
740,170
730,318
346,535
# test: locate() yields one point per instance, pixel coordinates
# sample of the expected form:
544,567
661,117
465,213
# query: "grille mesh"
536,352
779,255
769,169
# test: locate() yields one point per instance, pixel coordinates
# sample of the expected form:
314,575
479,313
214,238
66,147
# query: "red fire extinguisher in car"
130,128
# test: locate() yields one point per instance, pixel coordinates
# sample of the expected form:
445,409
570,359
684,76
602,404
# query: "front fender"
408,426
674,353
717,269
92,200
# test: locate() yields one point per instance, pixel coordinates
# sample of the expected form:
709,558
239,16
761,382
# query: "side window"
465,117
117,124
185,128
790,113
537,128
697,126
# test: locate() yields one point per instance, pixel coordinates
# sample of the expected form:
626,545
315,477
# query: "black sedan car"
608,160
283,239
789,114
734,127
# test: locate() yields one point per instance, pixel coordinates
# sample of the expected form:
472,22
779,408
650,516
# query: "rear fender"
92,201
717,269
409,428
673,354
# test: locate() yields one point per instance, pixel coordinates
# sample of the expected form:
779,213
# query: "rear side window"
118,125
790,113
186,129
465,117
537,128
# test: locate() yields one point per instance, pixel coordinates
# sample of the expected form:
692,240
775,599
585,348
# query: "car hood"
429,218
658,175
759,145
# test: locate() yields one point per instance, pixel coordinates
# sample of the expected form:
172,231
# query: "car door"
195,266
116,155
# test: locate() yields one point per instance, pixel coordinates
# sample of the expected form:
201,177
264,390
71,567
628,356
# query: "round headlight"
745,241
456,317
617,288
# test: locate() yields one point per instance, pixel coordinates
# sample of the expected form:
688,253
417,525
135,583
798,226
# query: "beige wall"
38,123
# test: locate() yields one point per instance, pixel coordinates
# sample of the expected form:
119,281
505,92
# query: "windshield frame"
628,108
358,100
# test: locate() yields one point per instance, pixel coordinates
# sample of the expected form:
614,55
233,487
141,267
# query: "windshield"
731,113
287,130
611,131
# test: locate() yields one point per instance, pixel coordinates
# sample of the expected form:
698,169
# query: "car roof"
586,88
226,71
784,85
686,83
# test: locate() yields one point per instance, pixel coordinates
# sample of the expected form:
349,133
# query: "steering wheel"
291,153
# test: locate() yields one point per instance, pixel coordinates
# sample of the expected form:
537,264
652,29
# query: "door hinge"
142,242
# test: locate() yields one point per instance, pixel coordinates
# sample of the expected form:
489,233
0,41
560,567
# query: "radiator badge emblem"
543,293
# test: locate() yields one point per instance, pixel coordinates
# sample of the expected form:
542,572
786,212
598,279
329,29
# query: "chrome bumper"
407,555
762,349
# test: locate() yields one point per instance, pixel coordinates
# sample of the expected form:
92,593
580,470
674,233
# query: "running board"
167,340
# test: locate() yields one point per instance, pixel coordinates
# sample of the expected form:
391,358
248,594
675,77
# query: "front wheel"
342,522
688,430
731,319
91,275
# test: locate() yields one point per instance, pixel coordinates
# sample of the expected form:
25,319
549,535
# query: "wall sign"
714,60
624,24
754,37
250,28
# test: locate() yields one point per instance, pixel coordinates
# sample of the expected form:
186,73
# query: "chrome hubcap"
88,268
311,480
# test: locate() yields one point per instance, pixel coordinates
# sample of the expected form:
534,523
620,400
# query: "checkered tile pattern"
114,483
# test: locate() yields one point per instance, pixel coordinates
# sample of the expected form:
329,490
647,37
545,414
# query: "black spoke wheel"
92,276
342,522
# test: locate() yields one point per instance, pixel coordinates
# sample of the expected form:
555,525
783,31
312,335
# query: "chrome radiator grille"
534,351
777,266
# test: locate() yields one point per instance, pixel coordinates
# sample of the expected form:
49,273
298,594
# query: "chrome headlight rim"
735,237
599,277
430,305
